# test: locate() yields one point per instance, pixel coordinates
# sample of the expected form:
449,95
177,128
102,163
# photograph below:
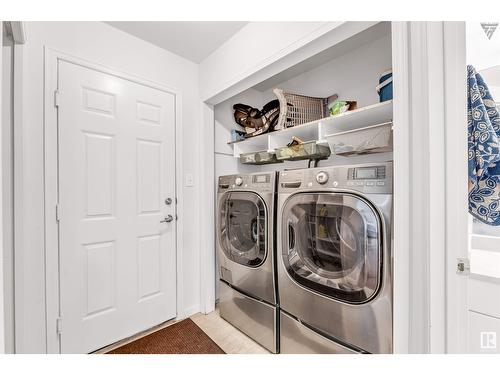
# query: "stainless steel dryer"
245,246
334,259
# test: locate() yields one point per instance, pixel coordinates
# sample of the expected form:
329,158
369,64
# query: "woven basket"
298,109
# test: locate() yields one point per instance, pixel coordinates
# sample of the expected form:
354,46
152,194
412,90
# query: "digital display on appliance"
366,173
260,178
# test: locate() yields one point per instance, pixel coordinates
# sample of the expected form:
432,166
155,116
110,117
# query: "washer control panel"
255,181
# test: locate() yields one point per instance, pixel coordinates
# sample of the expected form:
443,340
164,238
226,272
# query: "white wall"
482,52
251,48
224,119
102,44
353,75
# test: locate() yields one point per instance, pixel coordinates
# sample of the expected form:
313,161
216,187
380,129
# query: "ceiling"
191,40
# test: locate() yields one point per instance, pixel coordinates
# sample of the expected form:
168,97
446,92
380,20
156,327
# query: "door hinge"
463,266
59,325
56,98
58,218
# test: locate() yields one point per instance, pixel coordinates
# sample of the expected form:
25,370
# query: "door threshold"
134,337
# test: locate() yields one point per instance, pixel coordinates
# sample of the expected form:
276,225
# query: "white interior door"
116,170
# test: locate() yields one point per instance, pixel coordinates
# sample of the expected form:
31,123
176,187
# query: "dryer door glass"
332,245
242,228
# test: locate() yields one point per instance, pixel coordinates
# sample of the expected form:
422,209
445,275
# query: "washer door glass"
242,228
332,245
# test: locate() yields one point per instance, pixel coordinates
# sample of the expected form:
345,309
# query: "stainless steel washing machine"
245,246
334,259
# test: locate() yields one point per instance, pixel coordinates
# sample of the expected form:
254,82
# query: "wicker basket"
298,109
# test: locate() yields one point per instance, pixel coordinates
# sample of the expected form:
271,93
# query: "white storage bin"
369,140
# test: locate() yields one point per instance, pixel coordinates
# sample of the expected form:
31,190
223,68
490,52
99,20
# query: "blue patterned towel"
483,124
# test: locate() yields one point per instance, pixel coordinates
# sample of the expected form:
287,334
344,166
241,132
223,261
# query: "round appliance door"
332,245
242,228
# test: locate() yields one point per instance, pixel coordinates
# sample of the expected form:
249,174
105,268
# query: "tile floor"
229,339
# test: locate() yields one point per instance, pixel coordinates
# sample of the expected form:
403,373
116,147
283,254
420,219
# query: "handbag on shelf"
257,121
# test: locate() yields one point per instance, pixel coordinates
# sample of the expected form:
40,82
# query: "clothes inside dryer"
333,245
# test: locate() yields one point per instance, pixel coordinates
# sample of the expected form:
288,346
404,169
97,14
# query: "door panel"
332,245
99,171
116,167
243,228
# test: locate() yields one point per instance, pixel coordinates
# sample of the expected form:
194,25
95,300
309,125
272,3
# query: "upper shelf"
316,130
358,118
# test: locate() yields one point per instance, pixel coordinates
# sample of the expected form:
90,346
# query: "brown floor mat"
184,337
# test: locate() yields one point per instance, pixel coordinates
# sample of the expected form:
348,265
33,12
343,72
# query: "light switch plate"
189,179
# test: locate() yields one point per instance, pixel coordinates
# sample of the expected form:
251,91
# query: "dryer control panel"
365,178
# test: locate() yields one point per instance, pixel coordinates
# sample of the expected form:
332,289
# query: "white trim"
419,191
426,189
190,311
19,306
50,201
2,293
401,155
419,229
207,210
457,218
52,57
437,187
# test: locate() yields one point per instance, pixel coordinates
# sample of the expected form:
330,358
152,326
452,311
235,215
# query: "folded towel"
483,124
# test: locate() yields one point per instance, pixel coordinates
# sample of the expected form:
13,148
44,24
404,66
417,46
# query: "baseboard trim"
190,311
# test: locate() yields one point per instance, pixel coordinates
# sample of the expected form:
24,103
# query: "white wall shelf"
316,130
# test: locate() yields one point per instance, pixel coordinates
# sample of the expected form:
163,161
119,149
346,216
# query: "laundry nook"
249,187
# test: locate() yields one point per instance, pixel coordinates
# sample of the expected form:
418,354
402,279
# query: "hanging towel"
483,124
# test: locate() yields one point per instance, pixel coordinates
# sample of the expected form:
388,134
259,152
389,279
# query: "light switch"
189,179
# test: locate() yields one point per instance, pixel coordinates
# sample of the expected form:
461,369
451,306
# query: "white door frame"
52,57
457,218
2,320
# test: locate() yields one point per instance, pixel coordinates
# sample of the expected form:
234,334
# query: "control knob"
238,181
322,177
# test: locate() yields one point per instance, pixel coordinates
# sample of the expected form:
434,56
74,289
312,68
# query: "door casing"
52,57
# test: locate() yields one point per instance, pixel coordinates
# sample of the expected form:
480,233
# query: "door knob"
168,201
167,219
